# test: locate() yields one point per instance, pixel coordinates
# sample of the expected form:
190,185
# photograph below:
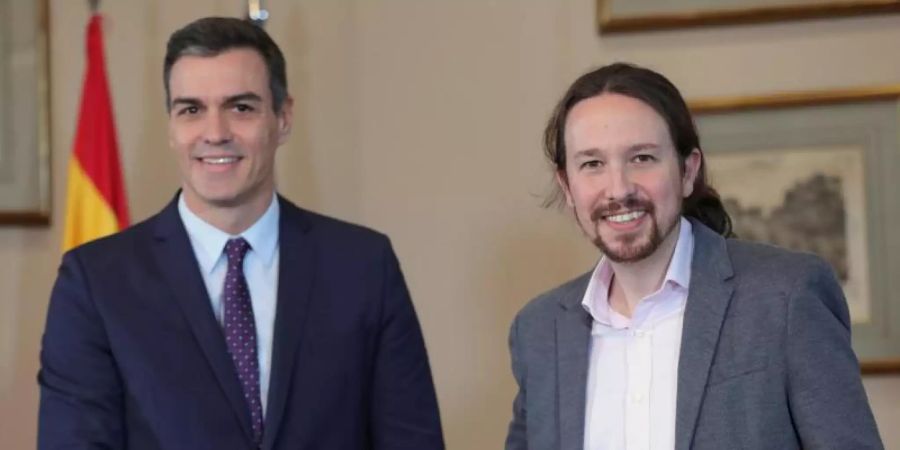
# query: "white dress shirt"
633,370
260,270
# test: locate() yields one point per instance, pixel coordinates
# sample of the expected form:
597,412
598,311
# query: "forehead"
230,72
613,121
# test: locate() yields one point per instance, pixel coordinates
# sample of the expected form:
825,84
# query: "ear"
563,182
285,119
691,169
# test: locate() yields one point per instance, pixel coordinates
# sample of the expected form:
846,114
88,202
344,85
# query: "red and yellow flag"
95,202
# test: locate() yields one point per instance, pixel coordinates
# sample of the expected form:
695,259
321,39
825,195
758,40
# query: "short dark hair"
660,94
211,36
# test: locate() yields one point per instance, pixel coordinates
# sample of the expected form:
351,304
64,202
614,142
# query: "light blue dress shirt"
260,270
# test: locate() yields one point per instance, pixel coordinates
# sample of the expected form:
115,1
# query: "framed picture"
641,15
24,110
818,172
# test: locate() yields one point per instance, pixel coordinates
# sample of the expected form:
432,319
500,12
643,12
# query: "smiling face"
623,177
224,130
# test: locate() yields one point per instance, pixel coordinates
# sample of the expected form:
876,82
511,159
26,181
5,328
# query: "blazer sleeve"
81,404
404,411
516,435
827,401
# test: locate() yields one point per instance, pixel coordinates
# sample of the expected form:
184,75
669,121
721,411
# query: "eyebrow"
243,97
188,101
643,146
587,152
594,151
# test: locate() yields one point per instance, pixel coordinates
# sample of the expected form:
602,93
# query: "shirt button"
637,398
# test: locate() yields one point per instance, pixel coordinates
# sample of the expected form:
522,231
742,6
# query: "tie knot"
235,250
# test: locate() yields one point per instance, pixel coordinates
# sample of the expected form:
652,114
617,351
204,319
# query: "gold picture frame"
25,196
765,133
660,15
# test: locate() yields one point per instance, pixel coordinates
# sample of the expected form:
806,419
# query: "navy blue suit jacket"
133,357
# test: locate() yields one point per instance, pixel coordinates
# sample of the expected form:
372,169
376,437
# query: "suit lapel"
707,303
296,271
573,334
175,258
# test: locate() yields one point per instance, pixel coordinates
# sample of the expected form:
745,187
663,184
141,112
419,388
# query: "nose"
217,130
620,184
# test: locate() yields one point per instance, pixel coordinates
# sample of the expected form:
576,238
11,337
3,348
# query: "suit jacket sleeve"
516,436
404,410
81,393
826,396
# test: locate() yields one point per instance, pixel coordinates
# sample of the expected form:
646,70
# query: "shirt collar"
596,297
209,241
679,271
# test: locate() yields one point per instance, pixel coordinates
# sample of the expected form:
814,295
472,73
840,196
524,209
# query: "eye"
243,107
189,110
644,158
591,164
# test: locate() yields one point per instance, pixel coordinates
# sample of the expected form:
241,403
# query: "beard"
635,246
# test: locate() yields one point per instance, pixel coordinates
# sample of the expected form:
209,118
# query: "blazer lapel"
175,258
707,303
296,272
573,334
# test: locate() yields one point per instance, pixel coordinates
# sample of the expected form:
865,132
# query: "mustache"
624,204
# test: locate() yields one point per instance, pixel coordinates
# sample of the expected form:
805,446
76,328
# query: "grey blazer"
765,357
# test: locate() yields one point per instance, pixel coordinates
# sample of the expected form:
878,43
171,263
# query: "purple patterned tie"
240,331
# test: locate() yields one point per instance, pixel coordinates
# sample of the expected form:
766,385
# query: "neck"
232,219
634,281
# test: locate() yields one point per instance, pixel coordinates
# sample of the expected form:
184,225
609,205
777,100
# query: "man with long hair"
681,337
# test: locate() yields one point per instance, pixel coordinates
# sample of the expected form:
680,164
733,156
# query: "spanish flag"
95,202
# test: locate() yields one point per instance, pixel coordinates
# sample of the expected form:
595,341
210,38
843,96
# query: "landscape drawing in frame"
812,200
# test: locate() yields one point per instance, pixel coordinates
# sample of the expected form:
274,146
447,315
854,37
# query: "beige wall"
422,119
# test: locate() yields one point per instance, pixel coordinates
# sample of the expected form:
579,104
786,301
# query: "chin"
224,201
220,199
630,248
631,255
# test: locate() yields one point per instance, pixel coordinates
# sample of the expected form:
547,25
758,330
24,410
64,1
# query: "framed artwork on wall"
641,15
24,113
817,172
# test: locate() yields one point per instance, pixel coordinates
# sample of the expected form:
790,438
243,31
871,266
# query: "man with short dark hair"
680,337
233,319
